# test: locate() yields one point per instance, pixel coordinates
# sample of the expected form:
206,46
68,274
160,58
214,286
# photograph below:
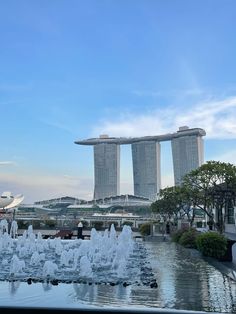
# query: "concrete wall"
234,253
230,228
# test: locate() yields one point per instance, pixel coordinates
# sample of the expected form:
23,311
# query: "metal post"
80,231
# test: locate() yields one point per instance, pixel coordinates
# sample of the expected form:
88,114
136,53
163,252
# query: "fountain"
49,269
16,266
3,226
85,267
14,229
109,270
106,257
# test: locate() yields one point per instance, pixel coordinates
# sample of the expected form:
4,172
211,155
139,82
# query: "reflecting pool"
185,281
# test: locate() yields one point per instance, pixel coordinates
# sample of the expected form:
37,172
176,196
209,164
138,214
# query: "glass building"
187,154
146,169
106,170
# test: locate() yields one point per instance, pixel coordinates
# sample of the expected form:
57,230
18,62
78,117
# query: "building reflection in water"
163,268
185,282
46,286
101,294
85,293
188,280
13,287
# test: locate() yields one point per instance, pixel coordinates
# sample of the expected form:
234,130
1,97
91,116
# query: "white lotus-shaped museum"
8,201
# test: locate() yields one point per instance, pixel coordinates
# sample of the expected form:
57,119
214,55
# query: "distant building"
106,170
60,201
187,152
125,200
129,203
8,201
146,169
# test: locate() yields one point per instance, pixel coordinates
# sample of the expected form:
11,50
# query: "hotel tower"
187,153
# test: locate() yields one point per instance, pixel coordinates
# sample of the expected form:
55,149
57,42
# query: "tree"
211,186
174,202
145,229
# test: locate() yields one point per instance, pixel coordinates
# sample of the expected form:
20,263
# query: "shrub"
50,223
36,224
188,238
178,234
115,223
97,225
127,223
145,229
212,244
23,224
85,223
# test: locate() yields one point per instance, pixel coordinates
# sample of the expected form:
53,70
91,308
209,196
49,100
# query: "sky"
75,69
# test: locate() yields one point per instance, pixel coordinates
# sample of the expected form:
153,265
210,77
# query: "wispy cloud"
62,119
217,117
59,125
229,156
167,180
145,93
38,187
188,92
7,163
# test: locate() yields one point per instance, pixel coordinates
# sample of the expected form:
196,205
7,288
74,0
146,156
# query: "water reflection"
85,293
219,297
185,281
101,294
197,284
13,287
46,286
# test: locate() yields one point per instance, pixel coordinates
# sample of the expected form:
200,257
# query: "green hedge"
145,229
209,243
212,244
178,234
188,238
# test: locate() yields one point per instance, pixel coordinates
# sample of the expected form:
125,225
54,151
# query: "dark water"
185,281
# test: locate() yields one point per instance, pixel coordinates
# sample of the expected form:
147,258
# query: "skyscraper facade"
187,153
106,170
146,169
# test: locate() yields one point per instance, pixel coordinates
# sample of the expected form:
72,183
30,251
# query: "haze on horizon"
74,70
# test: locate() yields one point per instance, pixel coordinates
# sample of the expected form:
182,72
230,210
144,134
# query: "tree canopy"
211,186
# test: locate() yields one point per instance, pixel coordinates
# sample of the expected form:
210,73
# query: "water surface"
185,281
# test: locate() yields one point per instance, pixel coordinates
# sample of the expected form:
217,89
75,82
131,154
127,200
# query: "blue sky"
76,69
